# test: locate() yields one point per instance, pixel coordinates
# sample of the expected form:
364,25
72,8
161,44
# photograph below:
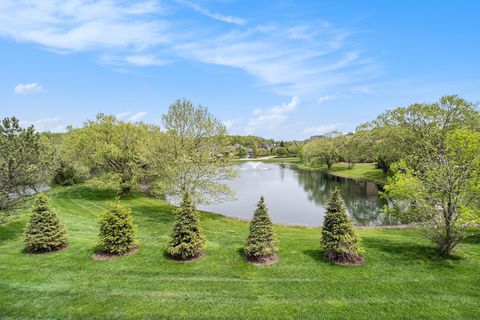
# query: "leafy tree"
191,155
242,152
262,244
116,152
416,130
24,165
117,230
187,240
339,238
44,231
255,150
321,150
441,190
282,151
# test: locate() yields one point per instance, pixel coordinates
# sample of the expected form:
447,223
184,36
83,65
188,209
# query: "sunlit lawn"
403,277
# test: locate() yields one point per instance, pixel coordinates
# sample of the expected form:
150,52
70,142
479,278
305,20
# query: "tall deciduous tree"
323,150
116,152
193,155
24,165
441,190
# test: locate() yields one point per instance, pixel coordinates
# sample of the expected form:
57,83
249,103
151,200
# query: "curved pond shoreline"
297,197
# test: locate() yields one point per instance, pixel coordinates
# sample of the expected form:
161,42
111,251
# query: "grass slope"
402,278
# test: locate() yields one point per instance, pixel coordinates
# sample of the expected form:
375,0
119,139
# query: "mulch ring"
345,258
49,250
262,261
108,256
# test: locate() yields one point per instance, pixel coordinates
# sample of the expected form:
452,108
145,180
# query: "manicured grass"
403,277
363,171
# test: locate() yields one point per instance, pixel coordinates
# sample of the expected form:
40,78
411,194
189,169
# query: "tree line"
430,151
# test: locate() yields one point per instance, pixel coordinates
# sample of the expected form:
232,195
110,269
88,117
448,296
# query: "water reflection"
299,197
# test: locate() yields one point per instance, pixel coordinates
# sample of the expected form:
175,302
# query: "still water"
298,197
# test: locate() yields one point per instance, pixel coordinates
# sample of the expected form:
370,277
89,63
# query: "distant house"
265,145
317,136
237,146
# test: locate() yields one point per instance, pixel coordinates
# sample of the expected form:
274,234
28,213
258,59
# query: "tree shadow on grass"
11,230
411,251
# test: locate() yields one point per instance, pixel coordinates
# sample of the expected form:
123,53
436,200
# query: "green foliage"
108,146
282,151
323,150
24,165
192,155
441,190
187,240
44,231
339,237
261,241
117,230
66,174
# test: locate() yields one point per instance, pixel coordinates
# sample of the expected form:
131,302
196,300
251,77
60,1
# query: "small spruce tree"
261,242
44,231
339,238
187,240
117,230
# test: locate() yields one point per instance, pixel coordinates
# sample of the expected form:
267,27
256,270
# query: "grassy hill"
403,277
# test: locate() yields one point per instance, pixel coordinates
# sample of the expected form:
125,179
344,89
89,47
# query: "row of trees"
189,153
45,232
431,151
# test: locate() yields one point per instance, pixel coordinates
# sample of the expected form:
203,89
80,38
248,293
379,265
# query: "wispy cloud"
214,15
26,88
322,129
229,124
53,124
122,115
273,117
326,98
307,58
137,116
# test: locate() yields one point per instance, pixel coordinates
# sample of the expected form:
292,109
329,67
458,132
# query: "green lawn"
363,171
403,277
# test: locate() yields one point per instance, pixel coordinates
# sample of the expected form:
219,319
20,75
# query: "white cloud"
25,88
82,25
145,60
273,117
137,116
292,59
54,124
229,124
322,129
213,15
326,98
122,115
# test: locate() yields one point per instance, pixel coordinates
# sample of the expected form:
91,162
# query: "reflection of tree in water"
361,198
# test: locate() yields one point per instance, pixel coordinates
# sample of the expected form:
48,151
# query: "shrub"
339,238
261,242
117,230
187,240
44,231
66,175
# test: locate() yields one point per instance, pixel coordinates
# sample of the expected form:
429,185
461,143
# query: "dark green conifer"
44,231
117,230
261,242
187,240
339,238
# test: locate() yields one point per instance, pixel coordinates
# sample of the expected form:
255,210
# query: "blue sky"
278,69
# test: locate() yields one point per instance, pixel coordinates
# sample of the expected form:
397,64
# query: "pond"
298,197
